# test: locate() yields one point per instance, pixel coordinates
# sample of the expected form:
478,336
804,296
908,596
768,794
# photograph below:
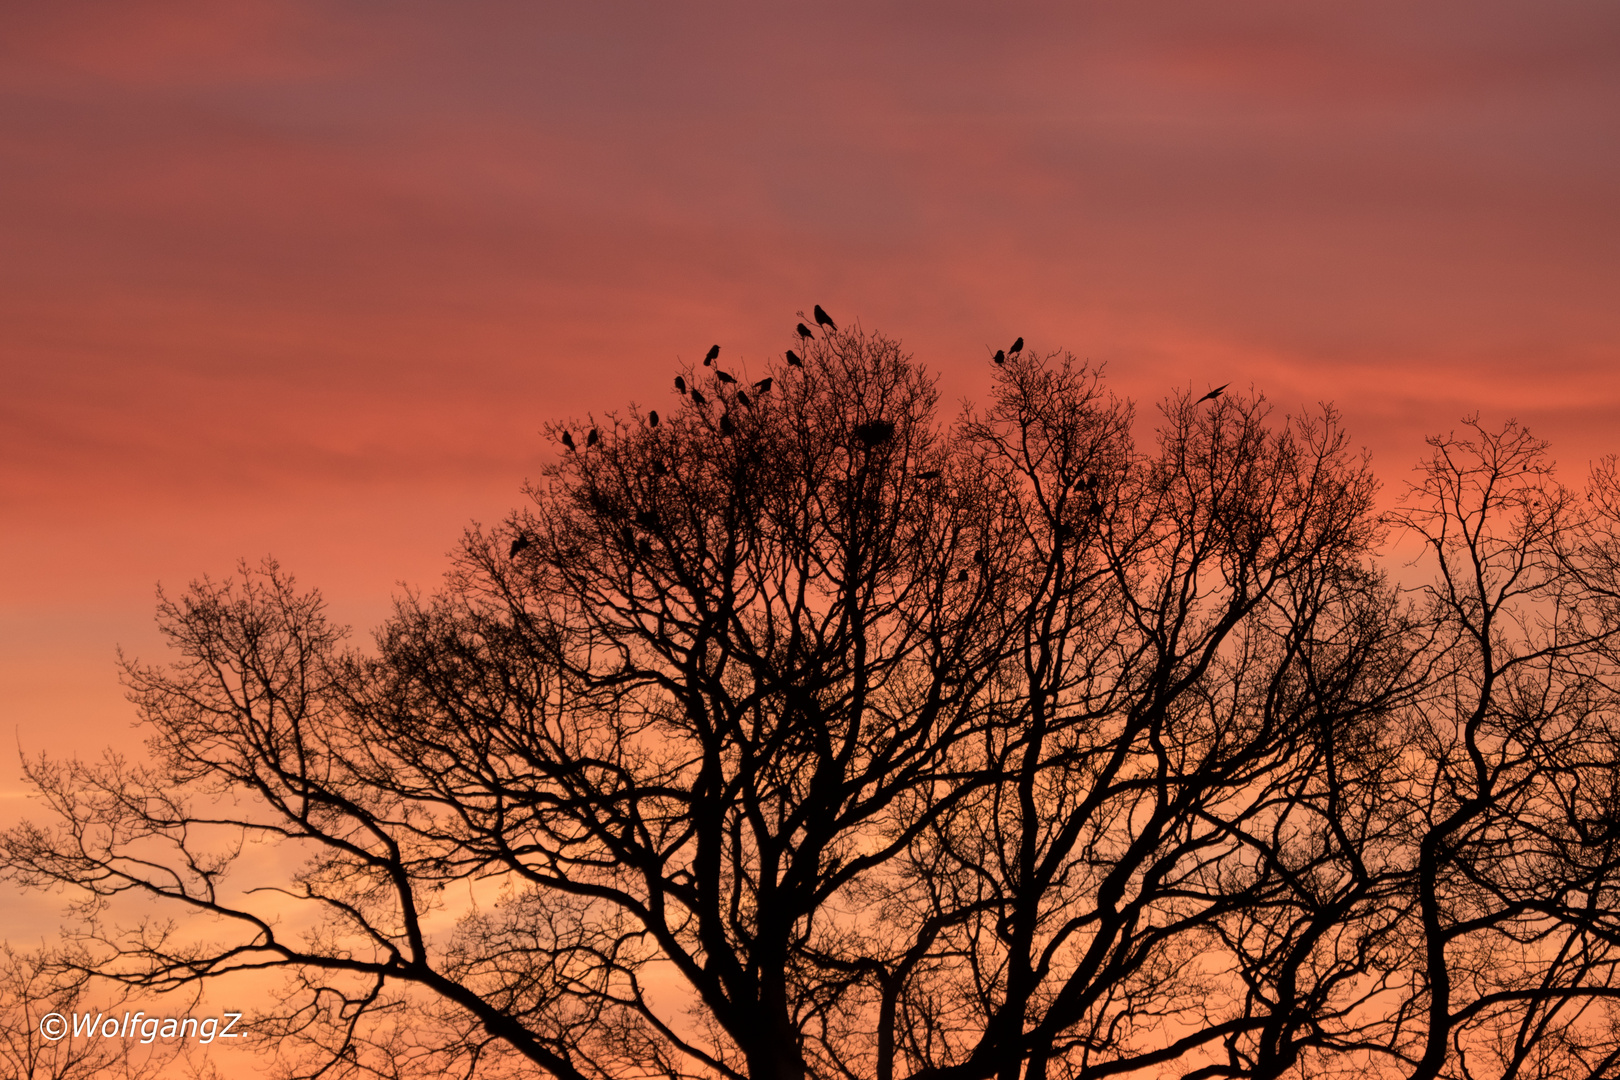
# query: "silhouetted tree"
34,985
829,739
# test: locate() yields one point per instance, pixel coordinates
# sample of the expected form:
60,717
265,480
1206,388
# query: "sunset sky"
307,278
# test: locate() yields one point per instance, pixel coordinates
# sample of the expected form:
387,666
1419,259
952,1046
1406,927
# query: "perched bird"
660,469
763,386
743,399
591,440
644,548
979,557
628,535
714,351
805,332
793,357
1213,394
680,384
697,397
724,376
1018,347
824,319
1000,357
646,518
518,545
568,439
652,418
931,474
874,432
726,427
963,576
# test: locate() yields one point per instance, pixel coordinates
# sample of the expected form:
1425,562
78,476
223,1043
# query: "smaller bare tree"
35,985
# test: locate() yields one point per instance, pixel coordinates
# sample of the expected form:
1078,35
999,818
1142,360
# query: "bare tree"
45,983
1513,765
806,734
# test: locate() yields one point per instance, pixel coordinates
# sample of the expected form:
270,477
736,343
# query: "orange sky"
306,277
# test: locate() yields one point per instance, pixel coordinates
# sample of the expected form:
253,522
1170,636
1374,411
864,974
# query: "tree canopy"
811,733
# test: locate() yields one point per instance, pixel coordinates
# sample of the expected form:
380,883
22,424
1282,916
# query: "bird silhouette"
743,399
568,439
724,376
963,576
646,518
644,548
1000,357
660,469
680,384
980,558
591,439
697,397
628,535
763,386
518,545
793,357
726,427
714,351
931,474
805,331
1018,347
652,418
1213,394
824,319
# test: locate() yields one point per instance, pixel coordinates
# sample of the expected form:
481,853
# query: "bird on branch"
714,351
1213,394
824,319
